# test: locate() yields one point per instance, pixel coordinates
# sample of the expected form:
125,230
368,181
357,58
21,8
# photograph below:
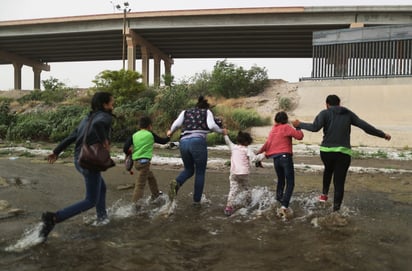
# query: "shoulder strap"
87,127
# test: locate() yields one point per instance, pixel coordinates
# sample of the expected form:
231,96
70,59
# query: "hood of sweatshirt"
339,110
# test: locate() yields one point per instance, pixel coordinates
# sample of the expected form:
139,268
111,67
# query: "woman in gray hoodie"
335,149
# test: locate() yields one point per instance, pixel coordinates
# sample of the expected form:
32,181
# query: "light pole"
125,10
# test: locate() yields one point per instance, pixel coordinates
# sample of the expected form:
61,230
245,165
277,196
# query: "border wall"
384,103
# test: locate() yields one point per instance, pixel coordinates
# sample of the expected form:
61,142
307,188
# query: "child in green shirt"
142,143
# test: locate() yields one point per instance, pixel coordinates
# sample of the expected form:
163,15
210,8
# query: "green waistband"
336,149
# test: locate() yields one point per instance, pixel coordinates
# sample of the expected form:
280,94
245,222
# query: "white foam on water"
166,209
261,200
121,209
30,238
161,206
309,204
254,203
320,213
205,200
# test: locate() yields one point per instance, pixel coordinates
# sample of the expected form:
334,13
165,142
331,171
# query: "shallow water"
371,233
164,235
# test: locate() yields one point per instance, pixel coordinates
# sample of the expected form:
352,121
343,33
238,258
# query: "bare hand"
296,123
52,158
169,133
388,137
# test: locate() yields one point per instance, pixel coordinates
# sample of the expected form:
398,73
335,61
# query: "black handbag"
128,163
94,157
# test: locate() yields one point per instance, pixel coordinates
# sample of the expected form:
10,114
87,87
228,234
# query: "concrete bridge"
271,32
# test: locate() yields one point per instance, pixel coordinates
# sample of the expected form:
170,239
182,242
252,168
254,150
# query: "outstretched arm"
368,128
160,140
317,124
176,124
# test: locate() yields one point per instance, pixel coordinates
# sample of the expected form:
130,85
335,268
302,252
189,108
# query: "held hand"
388,137
296,123
106,145
225,132
52,158
169,133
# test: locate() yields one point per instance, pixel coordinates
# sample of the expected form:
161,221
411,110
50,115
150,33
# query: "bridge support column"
37,73
145,64
156,72
131,54
147,50
17,75
168,68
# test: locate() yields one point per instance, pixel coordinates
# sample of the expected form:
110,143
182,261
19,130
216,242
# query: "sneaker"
101,222
285,213
282,211
323,198
49,220
228,210
174,186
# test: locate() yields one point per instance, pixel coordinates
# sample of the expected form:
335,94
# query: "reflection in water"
164,235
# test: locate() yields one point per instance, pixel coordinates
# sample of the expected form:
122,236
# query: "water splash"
30,238
151,208
304,207
254,203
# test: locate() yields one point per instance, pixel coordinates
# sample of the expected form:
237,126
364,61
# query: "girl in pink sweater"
278,146
240,161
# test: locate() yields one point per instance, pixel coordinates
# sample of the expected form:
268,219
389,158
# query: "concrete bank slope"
384,103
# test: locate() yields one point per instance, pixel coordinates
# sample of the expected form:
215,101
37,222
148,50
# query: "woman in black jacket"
99,131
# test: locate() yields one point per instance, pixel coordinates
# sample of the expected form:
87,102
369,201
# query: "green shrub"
215,139
246,118
33,126
6,118
49,97
64,120
285,104
3,130
169,103
240,119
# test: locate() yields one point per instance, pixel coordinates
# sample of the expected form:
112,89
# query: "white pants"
238,184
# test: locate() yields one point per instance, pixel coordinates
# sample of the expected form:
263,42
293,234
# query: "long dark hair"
202,103
100,98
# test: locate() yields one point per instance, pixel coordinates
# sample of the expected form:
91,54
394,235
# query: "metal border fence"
369,52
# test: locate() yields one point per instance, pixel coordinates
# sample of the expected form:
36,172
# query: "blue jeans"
194,155
286,176
95,196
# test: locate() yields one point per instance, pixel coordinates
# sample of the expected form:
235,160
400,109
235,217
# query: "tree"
230,81
53,84
125,85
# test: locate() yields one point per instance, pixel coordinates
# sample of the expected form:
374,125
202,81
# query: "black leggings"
336,164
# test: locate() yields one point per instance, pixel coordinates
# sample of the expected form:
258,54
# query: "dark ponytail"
202,103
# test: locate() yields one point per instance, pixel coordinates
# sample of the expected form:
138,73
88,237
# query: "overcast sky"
81,74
